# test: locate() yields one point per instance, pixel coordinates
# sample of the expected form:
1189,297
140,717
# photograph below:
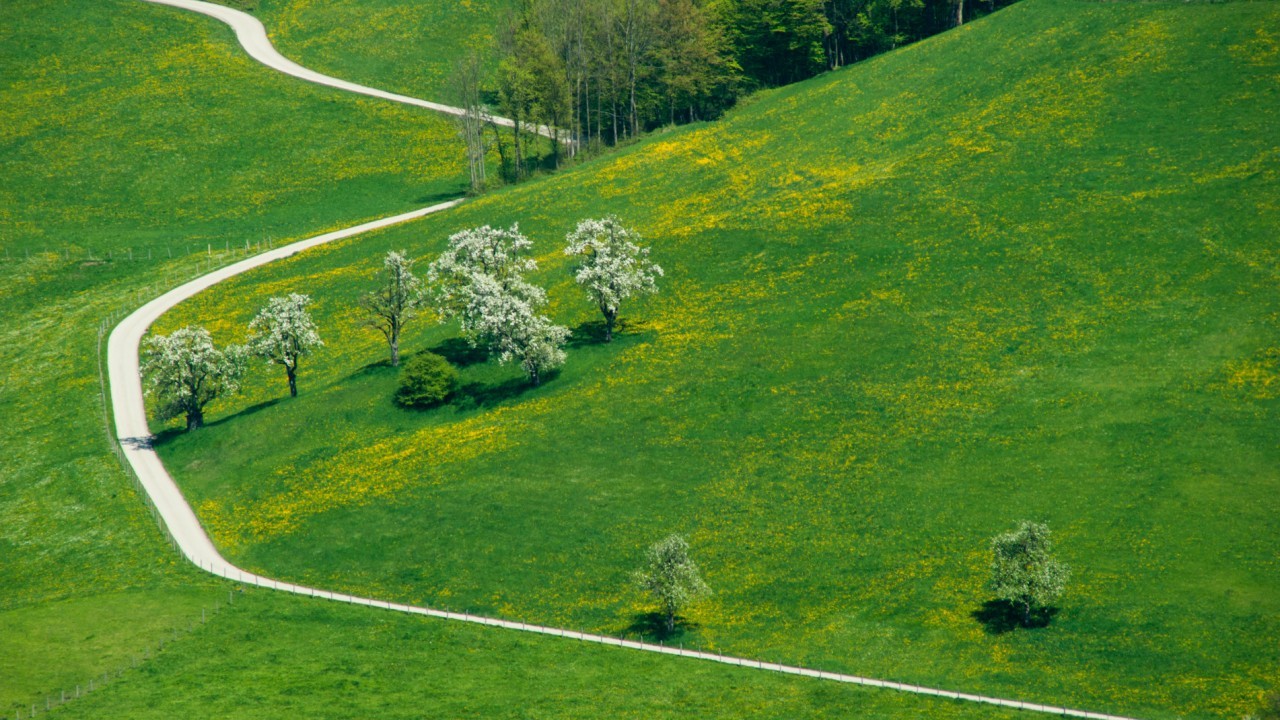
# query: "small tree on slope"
1024,571
671,577
479,279
510,326
614,267
396,301
185,372
283,332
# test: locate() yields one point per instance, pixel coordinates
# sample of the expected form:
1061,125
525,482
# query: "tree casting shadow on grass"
168,435
652,627
592,332
1001,616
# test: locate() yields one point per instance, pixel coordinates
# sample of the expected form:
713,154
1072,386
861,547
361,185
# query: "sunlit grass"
1022,270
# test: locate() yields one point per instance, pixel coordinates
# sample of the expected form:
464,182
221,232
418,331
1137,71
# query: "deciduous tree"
479,280
185,372
283,332
671,577
1024,571
398,299
613,266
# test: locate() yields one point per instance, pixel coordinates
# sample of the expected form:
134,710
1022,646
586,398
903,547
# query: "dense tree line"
603,71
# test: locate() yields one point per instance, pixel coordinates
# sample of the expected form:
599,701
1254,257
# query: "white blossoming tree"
613,268
283,332
509,324
479,280
1024,571
398,299
495,252
671,577
185,372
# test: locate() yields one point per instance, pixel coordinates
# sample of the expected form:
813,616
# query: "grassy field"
405,46
1023,270
270,656
134,140
139,145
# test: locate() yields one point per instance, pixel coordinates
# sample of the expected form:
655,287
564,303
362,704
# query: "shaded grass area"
405,46
273,655
1022,270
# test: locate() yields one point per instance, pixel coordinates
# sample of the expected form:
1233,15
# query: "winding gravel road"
181,521
253,38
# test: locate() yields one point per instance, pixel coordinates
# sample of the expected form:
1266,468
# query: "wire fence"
113,443
51,700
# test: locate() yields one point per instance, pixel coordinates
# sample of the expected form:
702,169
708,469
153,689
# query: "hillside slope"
138,144
1025,269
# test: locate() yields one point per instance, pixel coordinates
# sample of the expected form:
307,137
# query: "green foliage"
671,577
426,380
1024,571
777,41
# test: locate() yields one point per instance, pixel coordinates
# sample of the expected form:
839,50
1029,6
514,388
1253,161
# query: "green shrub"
426,380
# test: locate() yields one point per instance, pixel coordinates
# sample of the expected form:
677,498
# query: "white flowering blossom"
672,577
185,372
283,332
512,328
479,279
497,253
614,266
396,302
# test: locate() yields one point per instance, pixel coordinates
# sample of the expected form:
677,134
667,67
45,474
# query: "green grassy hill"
1026,269
405,46
138,144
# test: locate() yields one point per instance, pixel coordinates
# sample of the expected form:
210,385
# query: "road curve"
253,38
180,521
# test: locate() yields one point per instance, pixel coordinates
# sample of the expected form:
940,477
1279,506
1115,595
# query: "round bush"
426,379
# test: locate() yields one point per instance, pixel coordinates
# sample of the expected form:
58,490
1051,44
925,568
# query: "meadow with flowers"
1024,269
139,148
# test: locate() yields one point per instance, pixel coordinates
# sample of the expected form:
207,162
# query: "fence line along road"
180,521
253,38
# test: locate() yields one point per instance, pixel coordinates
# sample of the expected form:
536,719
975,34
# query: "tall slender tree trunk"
959,13
394,342
293,380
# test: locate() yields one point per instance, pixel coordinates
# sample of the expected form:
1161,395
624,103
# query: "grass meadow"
1026,269
139,147
398,45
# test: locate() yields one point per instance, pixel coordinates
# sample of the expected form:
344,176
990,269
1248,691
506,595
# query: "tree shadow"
1001,616
459,352
168,435
436,197
592,332
652,626
474,395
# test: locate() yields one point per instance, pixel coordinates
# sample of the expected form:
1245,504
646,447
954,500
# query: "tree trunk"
1026,613
195,419
394,342
533,377
959,13
293,381
609,318
671,621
